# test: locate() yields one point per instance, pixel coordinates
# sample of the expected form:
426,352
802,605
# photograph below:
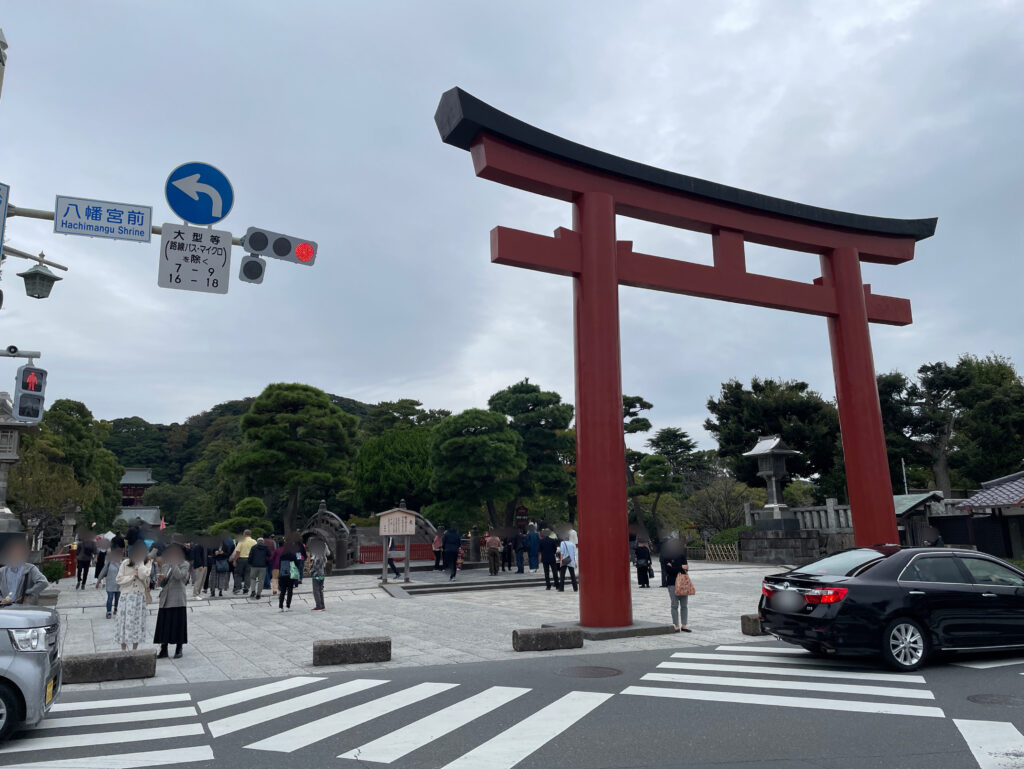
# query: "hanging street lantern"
38,281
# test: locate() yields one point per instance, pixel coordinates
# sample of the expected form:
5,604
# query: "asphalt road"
726,707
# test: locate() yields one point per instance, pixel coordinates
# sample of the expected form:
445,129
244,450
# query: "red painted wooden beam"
507,163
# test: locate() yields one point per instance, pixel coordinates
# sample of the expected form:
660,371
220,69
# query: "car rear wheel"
904,644
10,715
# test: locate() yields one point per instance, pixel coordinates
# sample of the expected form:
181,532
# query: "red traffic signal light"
31,379
304,252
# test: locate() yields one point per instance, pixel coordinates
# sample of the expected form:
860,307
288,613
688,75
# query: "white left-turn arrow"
191,186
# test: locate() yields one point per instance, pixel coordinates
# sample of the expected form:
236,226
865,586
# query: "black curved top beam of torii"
461,118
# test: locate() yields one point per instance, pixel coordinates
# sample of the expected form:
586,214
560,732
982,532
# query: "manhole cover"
589,671
997,699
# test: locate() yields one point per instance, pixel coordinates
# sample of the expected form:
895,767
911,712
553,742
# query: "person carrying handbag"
675,579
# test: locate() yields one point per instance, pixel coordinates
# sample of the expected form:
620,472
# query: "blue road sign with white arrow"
199,193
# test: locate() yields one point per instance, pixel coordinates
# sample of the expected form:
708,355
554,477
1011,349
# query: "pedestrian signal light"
29,393
260,242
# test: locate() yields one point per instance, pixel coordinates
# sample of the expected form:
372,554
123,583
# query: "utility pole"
903,464
3,59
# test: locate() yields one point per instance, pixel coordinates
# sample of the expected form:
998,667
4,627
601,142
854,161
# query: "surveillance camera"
12,349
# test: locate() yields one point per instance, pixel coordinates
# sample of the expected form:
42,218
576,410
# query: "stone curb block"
544,639
348,651
109,666
750,624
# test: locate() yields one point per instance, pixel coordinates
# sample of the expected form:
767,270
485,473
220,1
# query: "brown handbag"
684,585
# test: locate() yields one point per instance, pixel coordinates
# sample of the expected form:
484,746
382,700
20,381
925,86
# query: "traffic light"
253,269
29,390
266,243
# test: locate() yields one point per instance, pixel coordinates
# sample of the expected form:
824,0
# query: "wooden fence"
713,553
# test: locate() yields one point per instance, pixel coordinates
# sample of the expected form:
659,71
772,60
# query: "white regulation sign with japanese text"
194,259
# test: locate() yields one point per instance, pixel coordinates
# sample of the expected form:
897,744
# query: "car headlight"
31,639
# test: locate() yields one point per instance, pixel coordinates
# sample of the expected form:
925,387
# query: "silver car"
30,665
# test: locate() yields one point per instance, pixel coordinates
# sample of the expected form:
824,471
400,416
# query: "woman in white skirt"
133,577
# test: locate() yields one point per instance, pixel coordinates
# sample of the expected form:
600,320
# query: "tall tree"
394,466
294,437
805,420
405,412
43,486
71,429
475,458
542,421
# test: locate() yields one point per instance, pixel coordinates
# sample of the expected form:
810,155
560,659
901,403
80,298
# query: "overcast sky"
321,114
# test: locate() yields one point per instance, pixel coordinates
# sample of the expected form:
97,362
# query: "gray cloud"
321,114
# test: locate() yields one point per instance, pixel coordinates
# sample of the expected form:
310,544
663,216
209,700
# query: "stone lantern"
38,281
771,455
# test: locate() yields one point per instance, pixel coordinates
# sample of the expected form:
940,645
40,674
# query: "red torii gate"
601,186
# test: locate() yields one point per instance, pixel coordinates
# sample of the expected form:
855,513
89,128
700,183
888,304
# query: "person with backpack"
452,542
289,575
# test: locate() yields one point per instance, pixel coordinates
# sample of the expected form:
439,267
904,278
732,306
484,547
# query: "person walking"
133,577
172,616
21,581
271,547
240,559
644,570
83,558
109,573
506,554
287,577
673,563
318,572
452,543
438,546
519,547
221,567
567,561
533,547
300,561
275,567
548,557
102,546
259,557
492,544
391,563
198,556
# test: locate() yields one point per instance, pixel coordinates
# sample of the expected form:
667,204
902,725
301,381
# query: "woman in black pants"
285,583
643,564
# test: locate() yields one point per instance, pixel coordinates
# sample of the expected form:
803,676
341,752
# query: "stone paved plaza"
234,638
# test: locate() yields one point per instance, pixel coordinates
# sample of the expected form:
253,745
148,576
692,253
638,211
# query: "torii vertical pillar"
600,450
600,187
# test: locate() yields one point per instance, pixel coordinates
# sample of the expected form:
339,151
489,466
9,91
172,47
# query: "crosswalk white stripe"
808,660
401,742
125,702
994,744
250,694
853,706
810,686
505,750
130,717
129,760
789,671
328,726
293,705
763,650
101,738
986,664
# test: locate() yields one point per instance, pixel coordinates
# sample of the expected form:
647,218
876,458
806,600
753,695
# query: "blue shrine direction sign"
5,195
199,193
102,219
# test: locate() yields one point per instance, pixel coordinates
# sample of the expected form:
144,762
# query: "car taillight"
767,590
826,595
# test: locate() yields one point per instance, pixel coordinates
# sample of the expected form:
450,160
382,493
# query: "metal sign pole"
408,555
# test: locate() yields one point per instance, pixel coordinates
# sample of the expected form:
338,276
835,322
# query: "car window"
841,564
986,572
933,569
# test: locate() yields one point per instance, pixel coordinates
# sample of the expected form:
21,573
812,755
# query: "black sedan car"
902,603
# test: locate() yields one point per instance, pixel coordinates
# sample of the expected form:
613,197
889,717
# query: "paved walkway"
234,638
